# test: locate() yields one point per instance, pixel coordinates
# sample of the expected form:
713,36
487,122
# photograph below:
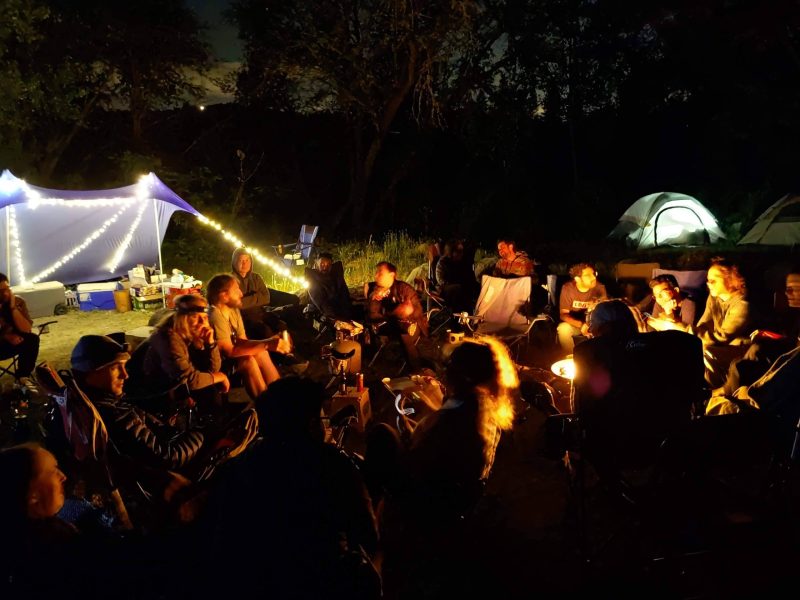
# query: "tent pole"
160,261
8,242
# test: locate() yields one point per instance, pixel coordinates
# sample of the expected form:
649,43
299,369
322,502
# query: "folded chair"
299,252
439,315
502,311
85,435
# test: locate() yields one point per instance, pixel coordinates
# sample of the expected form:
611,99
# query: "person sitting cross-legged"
250,357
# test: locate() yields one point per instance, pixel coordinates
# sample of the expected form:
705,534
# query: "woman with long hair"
451,451
724,327
726,317
183,348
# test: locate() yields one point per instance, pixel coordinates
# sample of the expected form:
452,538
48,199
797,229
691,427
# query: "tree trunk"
136,103
362,168
57,147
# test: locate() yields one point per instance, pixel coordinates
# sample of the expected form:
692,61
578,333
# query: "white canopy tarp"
82,236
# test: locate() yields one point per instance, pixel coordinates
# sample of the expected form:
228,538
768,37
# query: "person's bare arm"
567,318
252,347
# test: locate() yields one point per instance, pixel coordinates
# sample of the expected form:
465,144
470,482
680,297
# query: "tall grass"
206,256
359,257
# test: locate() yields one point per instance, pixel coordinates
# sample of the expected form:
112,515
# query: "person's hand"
207,335
13,339
432,390
280,344
221,380
585,329
641,325
670,306
380,293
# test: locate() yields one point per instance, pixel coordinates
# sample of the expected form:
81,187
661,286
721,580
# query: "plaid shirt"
519,266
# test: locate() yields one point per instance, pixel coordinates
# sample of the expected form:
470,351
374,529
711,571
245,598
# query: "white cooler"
43,299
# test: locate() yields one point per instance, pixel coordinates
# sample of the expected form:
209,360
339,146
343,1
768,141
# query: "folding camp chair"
85,435
439,315
299,252
501,311
12,365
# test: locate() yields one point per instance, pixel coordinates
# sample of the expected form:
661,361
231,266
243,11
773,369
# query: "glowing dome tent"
667,219
779,225
85,236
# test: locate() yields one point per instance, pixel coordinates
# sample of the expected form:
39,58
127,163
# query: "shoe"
27,384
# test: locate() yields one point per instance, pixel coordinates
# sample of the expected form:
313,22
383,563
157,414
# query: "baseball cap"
93,352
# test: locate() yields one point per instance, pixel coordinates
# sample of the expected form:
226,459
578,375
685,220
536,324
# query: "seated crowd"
221,475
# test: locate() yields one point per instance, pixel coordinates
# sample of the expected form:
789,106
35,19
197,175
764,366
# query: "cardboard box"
151,302
174,293
144,290
360,400
96,296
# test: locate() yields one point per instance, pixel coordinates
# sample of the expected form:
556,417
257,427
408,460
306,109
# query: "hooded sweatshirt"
254,291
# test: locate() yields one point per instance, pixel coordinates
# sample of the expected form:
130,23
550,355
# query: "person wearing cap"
98,365
183,348
251,357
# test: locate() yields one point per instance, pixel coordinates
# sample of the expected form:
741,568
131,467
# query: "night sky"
220,34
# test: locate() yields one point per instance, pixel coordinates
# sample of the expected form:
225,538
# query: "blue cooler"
97,296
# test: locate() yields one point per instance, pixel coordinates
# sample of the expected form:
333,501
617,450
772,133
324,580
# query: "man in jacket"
98,365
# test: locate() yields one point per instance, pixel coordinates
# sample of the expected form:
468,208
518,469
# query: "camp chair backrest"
500,301
642,271
305,243
631,395
691,282
83,425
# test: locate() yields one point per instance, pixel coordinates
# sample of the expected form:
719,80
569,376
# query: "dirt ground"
57,344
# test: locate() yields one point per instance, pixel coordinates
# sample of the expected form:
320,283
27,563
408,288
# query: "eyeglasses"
792,290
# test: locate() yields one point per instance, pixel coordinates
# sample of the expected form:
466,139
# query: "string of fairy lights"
141,200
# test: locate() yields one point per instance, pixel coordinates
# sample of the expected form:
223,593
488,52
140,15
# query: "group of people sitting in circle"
159,418
274,478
